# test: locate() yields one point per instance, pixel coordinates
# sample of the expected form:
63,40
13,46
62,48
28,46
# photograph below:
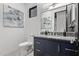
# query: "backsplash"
71,34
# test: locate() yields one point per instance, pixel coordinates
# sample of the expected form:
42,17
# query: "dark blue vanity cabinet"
53,47
44,47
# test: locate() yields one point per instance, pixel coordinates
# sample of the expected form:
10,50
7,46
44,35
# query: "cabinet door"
67,49
40,45
52,47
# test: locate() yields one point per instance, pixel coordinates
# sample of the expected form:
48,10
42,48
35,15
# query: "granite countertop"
56,37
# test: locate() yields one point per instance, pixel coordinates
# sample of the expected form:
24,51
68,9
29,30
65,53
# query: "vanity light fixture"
52,6
56,5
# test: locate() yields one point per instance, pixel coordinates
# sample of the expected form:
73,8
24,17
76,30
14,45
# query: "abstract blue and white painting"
12,17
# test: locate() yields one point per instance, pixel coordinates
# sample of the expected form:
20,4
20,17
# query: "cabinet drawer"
67,52
40,43
67,49
38,52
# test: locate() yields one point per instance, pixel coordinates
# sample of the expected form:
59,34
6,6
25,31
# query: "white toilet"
25,48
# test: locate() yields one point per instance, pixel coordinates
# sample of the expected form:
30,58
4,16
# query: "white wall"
33,25
11,37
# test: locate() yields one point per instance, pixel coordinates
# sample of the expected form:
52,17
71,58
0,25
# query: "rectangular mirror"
60,21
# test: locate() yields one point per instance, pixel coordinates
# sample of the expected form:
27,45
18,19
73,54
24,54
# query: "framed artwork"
33,12
12,17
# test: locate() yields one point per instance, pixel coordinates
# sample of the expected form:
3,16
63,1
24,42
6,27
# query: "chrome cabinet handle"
38,50
71,50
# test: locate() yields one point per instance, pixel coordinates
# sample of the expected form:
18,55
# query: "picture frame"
12,17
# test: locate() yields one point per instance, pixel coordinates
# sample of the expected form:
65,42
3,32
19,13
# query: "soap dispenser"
64,33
